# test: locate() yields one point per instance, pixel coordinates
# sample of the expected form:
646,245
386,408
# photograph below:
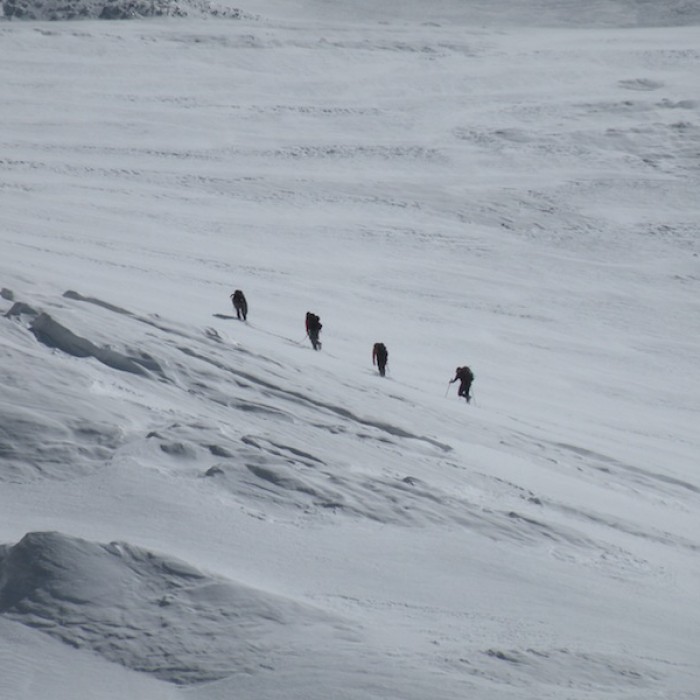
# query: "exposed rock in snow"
113,9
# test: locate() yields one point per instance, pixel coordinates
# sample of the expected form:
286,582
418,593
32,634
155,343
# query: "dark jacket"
240,303
464,374
313,324
239,300
380,354
466,377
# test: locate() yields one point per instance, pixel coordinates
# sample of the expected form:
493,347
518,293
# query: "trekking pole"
447,391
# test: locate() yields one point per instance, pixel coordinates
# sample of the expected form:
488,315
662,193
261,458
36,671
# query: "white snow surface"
197,508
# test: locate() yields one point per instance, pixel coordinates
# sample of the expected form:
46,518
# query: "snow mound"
113,9
148,612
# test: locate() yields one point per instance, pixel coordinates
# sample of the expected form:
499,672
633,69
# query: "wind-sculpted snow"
258,471
506,184
55,335
244,390
296,397
152,613
40,444
47,438
275,472
70,294
526,668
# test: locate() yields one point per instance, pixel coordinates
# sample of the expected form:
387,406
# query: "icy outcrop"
113,9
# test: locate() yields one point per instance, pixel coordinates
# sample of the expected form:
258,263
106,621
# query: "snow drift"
151,613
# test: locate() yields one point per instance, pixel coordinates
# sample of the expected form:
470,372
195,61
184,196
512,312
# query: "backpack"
465,374
313,322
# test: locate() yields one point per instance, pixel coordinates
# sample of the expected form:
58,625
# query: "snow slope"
194,507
